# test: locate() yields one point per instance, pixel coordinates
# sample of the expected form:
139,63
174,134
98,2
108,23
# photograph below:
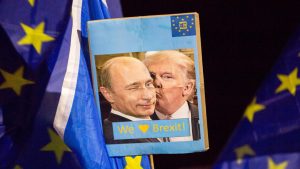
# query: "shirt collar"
127,116
182,112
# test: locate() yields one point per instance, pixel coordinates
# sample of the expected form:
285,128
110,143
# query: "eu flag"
268,135
45,82
31,36
183,25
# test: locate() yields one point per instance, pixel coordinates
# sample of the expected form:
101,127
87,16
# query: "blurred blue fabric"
268,135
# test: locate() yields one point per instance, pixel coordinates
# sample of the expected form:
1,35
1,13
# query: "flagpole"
151,161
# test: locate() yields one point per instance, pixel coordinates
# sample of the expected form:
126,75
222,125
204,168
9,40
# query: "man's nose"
156,80
157,83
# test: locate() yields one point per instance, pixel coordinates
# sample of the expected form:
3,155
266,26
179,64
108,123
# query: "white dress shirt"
182,112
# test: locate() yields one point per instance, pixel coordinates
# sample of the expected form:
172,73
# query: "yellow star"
252,109
56,145
242,151
272,165
289,82
133,163
31,2
35,36
15,81
18,167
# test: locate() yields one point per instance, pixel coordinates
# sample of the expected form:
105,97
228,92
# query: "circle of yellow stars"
176,27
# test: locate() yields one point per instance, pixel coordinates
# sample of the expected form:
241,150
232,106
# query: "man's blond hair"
182,60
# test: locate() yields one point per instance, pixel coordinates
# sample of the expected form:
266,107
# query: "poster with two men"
148,82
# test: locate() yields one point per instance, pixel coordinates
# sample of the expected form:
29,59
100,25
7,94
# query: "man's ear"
107,94
188,87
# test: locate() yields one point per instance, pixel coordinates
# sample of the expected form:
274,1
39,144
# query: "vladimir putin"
127,85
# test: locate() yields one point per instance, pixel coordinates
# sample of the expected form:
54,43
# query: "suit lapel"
116,118
195,121
154,116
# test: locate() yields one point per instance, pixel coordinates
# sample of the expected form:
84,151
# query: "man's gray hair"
104,75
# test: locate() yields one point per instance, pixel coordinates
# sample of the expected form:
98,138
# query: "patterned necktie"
167,139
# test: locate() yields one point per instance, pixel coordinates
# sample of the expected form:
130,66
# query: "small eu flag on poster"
183,25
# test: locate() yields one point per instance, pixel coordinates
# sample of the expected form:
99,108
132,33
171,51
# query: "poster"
148,83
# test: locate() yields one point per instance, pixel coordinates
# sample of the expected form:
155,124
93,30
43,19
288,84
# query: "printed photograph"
148,96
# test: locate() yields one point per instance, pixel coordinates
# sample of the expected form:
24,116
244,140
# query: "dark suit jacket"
108,131
194,120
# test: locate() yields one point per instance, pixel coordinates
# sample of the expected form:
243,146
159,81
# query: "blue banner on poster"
151,129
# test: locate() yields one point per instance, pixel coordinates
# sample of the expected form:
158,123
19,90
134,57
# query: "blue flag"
45,82
268,135
30,41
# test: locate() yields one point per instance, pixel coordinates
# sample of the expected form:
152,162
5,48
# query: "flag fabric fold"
268,135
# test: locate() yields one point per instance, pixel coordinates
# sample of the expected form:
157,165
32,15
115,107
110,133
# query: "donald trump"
174,78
